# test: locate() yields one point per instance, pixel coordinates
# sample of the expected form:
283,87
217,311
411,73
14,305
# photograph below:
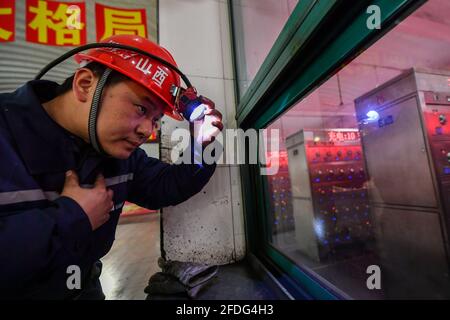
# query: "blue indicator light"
446,170
317,179
372,115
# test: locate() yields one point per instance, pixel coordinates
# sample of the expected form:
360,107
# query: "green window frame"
319,38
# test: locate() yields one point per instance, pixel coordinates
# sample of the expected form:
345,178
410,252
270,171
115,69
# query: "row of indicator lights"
280,191
279,181
281,203
334,209
283,219
330,173
338,157
344,213
339,153
348,230
361,195
282,194
349,215
353,229
339,195
322,189
279,177
337,239
280,187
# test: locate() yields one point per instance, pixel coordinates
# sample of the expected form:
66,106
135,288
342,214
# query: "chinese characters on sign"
60,23
112,21
341,136
7,14
56,23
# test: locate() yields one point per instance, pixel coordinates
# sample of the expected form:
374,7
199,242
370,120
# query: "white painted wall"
151,149
209,227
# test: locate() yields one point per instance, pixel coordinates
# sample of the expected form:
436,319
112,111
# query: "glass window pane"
364,176
257,24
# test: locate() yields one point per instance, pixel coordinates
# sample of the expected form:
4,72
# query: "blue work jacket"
43,233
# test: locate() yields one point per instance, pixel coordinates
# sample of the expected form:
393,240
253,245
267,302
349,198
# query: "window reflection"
257,24
365,172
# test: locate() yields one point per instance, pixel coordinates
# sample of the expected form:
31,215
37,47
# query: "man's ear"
83,85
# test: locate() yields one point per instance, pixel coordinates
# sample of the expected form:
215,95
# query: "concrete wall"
209,227
151,149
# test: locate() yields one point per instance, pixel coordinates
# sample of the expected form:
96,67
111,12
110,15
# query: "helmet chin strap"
95,109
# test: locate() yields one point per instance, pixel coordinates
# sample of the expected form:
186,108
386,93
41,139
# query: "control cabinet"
405,133
329,192
280,191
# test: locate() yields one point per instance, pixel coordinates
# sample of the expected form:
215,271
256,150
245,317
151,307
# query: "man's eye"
141,110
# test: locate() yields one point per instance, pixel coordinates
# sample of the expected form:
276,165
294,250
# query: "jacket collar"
44,145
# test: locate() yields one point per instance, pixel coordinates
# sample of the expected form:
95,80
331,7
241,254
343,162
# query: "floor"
349,274
133,260
233,282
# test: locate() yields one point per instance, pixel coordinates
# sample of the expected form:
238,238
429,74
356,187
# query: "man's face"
128,115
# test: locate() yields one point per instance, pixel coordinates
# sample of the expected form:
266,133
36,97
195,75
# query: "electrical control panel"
405,134
280,190
437,121
329,190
